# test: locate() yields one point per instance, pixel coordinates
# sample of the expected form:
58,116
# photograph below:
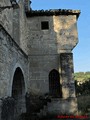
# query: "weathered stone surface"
36,51
62,107
44,47
6,17
66,30
40,67
11,57
16,25
23,27
7,109
68,88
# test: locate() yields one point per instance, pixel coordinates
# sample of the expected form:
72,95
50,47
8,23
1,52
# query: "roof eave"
51,12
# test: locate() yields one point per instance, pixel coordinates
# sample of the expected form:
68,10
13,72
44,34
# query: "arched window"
18,92
54,84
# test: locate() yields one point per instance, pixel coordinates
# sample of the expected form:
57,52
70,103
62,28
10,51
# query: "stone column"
68,86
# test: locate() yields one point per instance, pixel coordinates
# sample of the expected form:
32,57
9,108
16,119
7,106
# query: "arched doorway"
18,92
54,84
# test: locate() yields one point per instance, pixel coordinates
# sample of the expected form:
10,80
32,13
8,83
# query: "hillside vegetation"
82,83
82,76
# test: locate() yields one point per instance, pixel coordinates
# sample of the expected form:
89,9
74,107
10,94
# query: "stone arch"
18,92
17,65
54,84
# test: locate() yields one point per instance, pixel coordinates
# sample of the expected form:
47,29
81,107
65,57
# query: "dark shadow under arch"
18,92
54,84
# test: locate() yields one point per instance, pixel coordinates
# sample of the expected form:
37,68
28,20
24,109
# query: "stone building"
36,58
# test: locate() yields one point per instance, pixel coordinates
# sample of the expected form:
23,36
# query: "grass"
84,105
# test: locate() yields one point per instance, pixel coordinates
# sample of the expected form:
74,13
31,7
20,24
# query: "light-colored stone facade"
45,46
36,53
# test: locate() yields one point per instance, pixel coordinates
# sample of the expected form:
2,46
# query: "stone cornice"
52,12
13,43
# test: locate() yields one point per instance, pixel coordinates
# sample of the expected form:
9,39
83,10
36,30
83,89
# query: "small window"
45,25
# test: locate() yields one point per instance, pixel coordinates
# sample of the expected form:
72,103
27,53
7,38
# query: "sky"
82,50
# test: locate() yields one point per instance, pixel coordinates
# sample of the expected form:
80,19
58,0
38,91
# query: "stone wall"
39,68
23,26
62,107
42,52
45,46
46,50
41,41
60,37
16,25
7,108
11,57
6,17
65,28
15,22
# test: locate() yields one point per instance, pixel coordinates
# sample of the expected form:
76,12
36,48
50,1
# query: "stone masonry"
36,57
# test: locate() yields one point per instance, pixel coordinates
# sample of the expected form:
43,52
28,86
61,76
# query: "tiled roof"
52,12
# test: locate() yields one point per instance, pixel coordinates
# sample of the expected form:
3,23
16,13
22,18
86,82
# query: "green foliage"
82,83
83,88
84,104
81,76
